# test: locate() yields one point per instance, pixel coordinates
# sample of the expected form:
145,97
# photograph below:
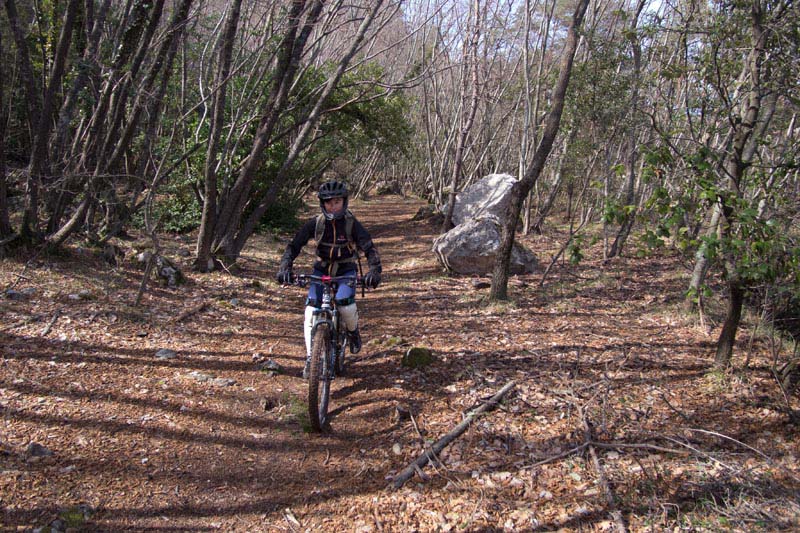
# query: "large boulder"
471,248
488,196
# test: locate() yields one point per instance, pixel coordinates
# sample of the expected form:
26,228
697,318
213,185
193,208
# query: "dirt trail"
206,441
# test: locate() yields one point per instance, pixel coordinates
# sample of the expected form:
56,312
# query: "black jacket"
330,252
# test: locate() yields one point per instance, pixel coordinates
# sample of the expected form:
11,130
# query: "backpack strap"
319,231
349,221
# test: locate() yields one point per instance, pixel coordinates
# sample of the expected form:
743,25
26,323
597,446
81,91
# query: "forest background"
676,117
636,128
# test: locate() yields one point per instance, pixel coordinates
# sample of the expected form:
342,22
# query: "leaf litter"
185,442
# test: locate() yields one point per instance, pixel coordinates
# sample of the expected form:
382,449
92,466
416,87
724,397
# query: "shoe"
355,341
306,368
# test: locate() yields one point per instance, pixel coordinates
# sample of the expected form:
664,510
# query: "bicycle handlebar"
303,279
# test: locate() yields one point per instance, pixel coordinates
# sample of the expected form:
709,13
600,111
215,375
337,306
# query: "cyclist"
339,237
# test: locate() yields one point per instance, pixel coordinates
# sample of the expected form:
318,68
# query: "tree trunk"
468,118
165,60
633,152
727,336
531,116
116,143
300,141
558,178
94,28
499,290
208,220
5,224
734,167
30,219
38,166
701,262
92,153
291,49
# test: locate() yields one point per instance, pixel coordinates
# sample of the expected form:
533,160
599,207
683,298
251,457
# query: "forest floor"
616,420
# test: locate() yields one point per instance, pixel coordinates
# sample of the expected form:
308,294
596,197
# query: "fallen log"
400,479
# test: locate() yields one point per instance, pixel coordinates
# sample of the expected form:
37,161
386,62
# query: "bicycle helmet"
333,189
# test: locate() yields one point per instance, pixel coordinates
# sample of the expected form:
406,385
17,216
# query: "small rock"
165,354
480,284
183,252
199,376
223,382
397,449
11,294
269,365
141,334
234,301
37,450
28,291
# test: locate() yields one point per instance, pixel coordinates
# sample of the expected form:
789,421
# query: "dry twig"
432,453
588,434
50,324
191,311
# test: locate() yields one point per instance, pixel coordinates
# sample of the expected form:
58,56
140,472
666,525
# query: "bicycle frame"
324,366
328,314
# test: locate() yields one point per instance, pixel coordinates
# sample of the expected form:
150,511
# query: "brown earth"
600,355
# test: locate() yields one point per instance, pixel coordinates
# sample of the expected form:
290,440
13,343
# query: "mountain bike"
328,344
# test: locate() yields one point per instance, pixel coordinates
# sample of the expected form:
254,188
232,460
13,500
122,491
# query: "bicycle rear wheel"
319,387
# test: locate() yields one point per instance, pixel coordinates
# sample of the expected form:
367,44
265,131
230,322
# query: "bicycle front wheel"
319,387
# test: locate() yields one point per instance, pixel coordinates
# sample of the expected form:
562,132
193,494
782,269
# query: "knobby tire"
319,388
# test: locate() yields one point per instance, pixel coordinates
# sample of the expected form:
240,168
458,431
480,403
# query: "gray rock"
165,354
234,301
58,526
199,376
37,450
11,294
387,187
223,382
471,248
489,196
269,365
